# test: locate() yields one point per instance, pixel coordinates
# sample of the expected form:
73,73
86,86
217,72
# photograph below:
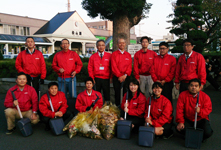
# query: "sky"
154,26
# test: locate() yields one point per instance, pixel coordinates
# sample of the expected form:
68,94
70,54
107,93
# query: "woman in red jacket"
135,106
59,103
160,113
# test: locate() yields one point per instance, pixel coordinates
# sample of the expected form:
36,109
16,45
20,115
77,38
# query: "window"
24,28
13,30
28,31
79,33
73,32
5,28
21,30
95,27
101,27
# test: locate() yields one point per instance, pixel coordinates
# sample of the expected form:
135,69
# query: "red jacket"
27,99
83,100
32,64
163,68
186,104
136,105
94,64
69,61
160,111
143,62
121,64
193,68
59,103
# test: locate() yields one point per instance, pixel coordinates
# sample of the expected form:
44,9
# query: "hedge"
8,70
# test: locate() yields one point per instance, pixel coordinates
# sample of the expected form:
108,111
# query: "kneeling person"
26,98
160,113
135,106
86,99
186,109
59,103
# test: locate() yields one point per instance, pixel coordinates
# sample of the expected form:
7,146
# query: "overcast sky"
154,26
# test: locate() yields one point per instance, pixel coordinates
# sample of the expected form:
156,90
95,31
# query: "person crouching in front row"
87,99
26,98
135,106
59,103
160,113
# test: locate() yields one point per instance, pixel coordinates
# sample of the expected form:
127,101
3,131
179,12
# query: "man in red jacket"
190,65
121,65
143,61
186,109
163,70
26,98
59,103
31,62
67,64
89,98
99,69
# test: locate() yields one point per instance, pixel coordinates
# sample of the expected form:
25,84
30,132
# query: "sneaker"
167,137
10,131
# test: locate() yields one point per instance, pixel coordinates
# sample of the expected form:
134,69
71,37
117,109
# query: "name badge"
36,58
101,68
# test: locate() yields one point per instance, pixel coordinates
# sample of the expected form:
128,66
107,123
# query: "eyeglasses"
163,48
187,45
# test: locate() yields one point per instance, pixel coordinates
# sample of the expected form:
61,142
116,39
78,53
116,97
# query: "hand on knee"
158,130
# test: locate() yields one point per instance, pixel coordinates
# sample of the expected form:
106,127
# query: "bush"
1,56
8,70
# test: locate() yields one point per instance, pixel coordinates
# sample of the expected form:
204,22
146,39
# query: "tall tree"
206,32
124,14
188,21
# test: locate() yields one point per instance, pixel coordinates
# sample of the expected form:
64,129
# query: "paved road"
46,140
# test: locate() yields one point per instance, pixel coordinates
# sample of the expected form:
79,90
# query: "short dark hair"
189,41
195,80
156,85
52,84
29,37
164,44
66,40
89,79
21,73
144,37
100,41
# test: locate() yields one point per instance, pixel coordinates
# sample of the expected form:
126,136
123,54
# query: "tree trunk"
121,29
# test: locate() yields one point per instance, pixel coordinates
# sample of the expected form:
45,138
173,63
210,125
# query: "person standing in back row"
99,69
67,64
163,70
190,65
32,63
121,65
143,61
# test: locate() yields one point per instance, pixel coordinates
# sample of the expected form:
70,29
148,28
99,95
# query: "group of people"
153,74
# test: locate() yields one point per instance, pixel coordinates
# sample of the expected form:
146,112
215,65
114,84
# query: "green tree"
124,14
188,21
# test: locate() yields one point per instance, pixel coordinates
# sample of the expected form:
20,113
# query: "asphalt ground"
45,140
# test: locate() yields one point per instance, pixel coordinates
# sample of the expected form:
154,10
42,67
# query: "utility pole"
69,6
139,28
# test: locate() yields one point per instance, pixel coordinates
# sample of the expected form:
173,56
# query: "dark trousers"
202,124
117,88
212,81
136,121
35,84
167,129
66,118
167,91
183,86
103,84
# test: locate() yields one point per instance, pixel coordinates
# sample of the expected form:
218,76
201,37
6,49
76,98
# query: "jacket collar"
27,51
18,90
92,93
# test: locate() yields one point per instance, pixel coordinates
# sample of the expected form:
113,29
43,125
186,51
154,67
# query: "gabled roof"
52,25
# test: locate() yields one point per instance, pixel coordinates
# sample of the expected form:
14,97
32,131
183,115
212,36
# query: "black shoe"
10,131
167,137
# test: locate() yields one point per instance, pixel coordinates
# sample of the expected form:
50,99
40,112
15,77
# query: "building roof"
52,25
7,37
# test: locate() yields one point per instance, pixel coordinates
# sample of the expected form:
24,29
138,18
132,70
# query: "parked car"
46,56
10,56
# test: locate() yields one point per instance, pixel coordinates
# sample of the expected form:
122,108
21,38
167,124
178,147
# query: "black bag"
25,123
146,133
124,127
194,136
56,124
